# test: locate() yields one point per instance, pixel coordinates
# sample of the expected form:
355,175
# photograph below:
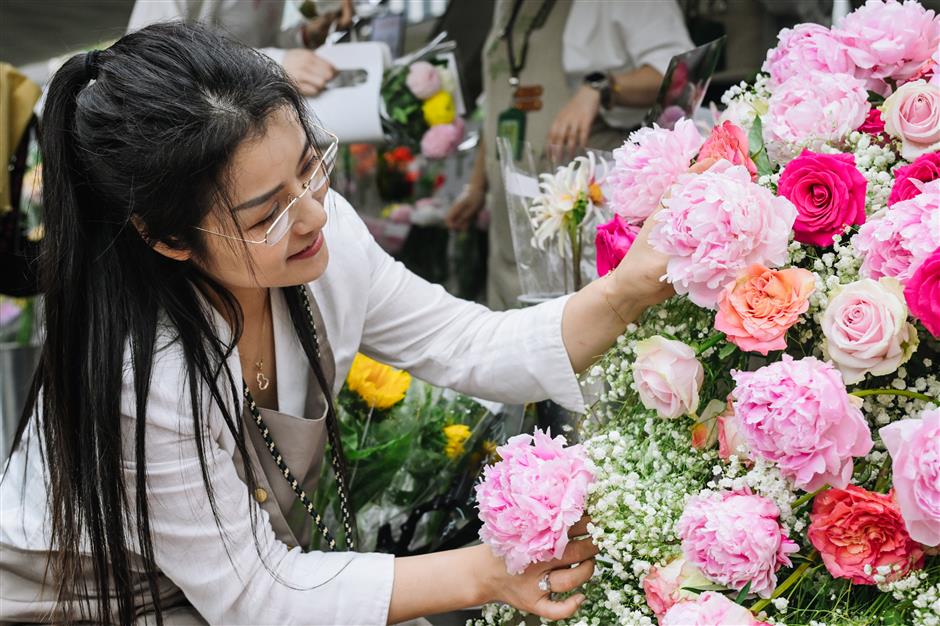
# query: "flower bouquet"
768,446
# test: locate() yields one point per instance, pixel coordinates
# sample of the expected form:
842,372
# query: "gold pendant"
262,381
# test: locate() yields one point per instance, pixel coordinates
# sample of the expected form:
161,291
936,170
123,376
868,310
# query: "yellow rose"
456,435
380,386
439,109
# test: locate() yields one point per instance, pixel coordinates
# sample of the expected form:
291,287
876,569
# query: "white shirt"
619,36
369,303
256,23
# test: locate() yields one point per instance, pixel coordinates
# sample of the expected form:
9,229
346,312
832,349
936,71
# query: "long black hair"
137,142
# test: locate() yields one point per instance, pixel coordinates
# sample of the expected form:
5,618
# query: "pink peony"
667,376
866,329
828,192
811,110
925,169
647,165
715,225
922,293
799,415
873,125
709,609
896,240
612,241
423,80
663,585
860,535
734,538
757,309
889,40
727,142
914,445
530,498
912,114
441,141
806,47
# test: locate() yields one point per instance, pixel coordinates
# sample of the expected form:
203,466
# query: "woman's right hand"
309,71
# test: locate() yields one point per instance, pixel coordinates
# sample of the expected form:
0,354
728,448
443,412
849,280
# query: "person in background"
596,67
258,24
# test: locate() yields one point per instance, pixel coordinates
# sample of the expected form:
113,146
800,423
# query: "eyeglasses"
283,222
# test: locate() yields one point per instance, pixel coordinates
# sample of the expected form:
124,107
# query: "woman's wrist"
487,569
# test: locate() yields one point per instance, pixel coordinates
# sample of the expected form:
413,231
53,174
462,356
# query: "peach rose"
756,310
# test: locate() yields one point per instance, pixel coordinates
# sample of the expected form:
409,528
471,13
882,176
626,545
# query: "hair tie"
91,64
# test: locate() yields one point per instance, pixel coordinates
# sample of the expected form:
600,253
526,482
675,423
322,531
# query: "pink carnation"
441,140
709,609
423,80
734,538
612,242
647,165
806,47
828,192
715,225
925,169
889,40
799,415
896,240
914,446
922,293
811,110
530,498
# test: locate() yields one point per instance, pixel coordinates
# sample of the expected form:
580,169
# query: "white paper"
521,185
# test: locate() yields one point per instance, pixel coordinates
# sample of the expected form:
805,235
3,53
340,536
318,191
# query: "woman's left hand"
639,276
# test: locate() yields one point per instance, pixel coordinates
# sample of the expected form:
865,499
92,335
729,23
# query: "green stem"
789,582
881,483
861,393
806,497
574,233
712,341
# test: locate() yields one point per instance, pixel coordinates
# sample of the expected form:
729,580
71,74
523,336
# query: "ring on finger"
545,583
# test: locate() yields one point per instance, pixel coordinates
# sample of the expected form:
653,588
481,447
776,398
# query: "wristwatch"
600,82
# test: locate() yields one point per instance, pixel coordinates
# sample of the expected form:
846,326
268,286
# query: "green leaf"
726,351
743,594
875,98
764,167
755,138
704,588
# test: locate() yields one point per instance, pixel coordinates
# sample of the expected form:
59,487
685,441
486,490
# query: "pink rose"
912,114
731,441
734,538
896,240
401,214
799,415
914,446
647,165
922,293
727,142
663,585
709,609
925,169
612,241
866,329
860,535
715,225
441,140
667,376
828,192
873,125
811,110
757,309
806,47
889,40
531,497
423,80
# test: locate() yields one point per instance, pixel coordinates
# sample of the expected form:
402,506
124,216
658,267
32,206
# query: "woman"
188,217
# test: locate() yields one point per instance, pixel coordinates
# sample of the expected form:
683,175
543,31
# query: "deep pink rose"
734,538
925,169
914,445
922,293
663,585
828,192
912,114
873,124
612,241
709,609
728,142
799,415
806,47
423,80
861,534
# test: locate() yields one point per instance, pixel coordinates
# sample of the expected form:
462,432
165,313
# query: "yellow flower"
380,386
439,109
456,435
